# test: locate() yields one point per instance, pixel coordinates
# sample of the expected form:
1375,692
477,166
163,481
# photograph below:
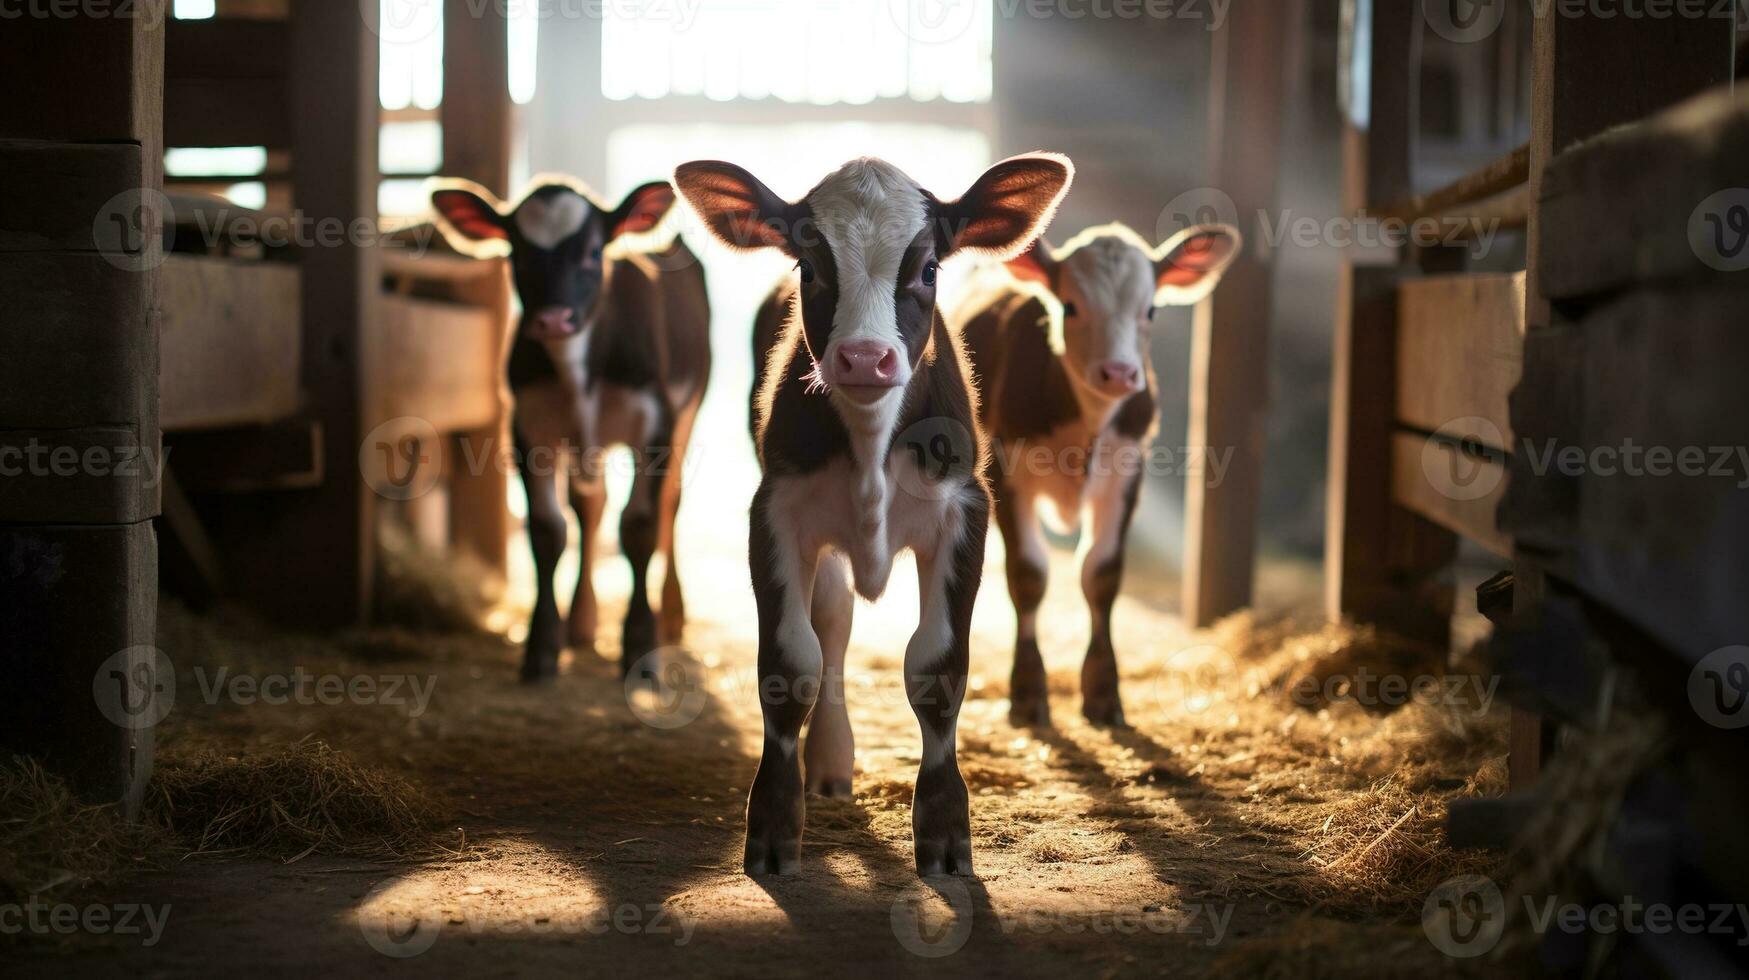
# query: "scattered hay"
1069,847
420,589
50,841
292,802
1309,948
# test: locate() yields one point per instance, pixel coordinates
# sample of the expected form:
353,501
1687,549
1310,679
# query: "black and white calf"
608,351
1069,407
869,441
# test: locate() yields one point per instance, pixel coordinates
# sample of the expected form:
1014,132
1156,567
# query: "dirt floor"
1274,810
1239,822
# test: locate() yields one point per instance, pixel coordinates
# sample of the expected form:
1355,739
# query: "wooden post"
79,254
313,548
1255,53
1578,89
479,125
1382,562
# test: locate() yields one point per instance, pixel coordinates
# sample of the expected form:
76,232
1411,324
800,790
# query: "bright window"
816,51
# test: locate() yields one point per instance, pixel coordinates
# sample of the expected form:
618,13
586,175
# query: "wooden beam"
79,570
479,129
1381,561
1446,483
1460,348
440,362
231,343
1255,54
312,550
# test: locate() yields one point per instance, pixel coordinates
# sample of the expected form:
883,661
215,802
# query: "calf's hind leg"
829,752
1028,687
672,624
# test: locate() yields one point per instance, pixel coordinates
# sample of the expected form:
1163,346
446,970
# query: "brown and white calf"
869,441
1069,405
609,350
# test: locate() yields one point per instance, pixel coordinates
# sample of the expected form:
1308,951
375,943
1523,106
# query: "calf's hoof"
771,854
1104,710
540,667
831,787
1029,712
941,825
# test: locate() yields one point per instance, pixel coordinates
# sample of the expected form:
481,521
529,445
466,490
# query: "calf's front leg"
546,538
1112,501
789,683
936,662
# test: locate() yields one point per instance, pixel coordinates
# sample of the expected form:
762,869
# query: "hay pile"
288,803
423,590
50,842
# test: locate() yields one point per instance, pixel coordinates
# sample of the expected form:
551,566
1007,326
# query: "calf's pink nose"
554,322
867,363
1120,375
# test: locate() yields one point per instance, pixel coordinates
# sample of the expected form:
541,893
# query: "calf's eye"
1069,309
929,271
1152,310
807,270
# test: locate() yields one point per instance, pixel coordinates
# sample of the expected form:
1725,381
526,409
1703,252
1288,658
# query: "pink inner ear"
1194,259
465,213
1028,266
647,211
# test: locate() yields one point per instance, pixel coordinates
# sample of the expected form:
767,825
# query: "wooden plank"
80,355
85,71
231,342
226,47
311,551
439,362
479,129
1460,349
1632,204
1493,178
286,455
1229,350
1451,487
64,196
228,112
90,475
1660,543
1382,561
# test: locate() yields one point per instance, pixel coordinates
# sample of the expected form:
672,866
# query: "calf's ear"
1036,264
643,209
470,218
1189,265
1009,205
736,206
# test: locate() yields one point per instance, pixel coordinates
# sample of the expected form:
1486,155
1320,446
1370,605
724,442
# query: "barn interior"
1431,634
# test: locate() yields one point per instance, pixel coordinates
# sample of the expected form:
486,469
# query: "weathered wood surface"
1229,382
227,83
1382,561
1451,487
437,361
231,342
1632,205
1460,348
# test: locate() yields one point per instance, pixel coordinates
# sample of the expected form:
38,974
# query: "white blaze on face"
548,220
868,212
1111,283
